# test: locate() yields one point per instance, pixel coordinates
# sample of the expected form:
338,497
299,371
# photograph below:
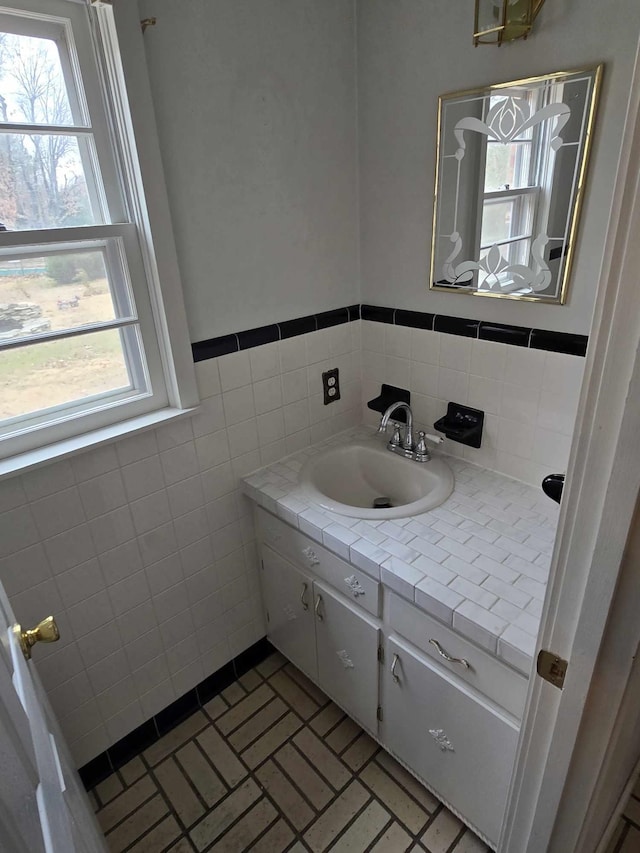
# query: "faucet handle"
396,438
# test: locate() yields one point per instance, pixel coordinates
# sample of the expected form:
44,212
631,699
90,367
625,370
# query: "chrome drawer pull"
443,654
317,608
303,597
394,664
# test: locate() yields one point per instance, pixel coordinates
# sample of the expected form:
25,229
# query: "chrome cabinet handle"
443,654
394,664
303,594
317,608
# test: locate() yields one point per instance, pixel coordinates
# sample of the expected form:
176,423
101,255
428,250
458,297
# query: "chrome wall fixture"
504,20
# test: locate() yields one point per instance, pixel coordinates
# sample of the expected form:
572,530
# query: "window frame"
143,224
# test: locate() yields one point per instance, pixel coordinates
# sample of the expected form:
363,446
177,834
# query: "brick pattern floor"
626,838
272,765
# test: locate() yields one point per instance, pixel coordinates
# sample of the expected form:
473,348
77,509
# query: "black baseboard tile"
216,683
414,319
177,711
332,318
559,342
377,313
299,326
95,771
254,655
520,336
214,347
456,326
258,337
517,336
132,744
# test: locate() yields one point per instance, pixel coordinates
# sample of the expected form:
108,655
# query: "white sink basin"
347,479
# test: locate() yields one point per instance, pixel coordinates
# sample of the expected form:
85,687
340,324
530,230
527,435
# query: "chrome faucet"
406,446
396,442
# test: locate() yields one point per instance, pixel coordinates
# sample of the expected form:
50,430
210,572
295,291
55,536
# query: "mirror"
510,174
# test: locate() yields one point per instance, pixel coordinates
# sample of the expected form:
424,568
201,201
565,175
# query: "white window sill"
24,462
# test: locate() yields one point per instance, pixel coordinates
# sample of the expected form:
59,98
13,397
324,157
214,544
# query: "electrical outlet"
331,386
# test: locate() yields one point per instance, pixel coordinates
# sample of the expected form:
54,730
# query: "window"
516,184
78,343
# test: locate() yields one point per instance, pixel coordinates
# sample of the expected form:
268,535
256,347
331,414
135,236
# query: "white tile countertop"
479,562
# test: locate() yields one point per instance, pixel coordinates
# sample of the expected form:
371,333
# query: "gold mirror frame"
553,119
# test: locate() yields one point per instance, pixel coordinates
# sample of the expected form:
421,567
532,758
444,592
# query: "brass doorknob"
45,632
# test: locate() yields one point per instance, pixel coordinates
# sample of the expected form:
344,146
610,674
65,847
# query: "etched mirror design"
510,177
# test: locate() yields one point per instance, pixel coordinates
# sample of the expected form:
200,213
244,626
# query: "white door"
567,734
43,807
347,640
287,594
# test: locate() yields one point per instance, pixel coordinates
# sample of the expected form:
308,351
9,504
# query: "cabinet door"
287,595
347,641
459,744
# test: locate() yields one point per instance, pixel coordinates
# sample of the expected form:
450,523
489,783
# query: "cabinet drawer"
496,680
462,747
311,557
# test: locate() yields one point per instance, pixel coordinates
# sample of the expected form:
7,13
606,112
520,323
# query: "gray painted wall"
256,112
409,52
265,137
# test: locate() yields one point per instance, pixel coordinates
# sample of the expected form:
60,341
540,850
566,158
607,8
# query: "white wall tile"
174,433
489,359
94,463
212,450
80,583
120,562
455,352
243,437
102,494
143,477
293,354
235,370
525,367
185,495
58,512
158,544
24,569
208,378
150,512
210,416
47,481
265,361
425,346
267,395
179,463
238,405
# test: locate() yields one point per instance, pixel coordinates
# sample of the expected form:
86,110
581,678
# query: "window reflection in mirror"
509,183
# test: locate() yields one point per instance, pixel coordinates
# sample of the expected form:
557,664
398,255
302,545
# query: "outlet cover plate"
331,385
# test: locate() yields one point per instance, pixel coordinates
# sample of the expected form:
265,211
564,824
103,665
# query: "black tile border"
502,333
103,765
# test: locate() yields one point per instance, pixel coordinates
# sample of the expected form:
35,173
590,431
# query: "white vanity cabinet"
328,638
446,708
461,745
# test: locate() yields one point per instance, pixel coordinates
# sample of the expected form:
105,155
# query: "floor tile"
442,832
308,781
331,823
287,798
221,756
118,809
271,765
138,823
176,737
363,830
322,759
405,809
226,813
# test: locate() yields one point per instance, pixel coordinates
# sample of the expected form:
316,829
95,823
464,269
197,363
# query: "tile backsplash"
529,396
144,549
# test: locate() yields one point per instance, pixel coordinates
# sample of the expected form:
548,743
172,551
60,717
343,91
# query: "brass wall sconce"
504,20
